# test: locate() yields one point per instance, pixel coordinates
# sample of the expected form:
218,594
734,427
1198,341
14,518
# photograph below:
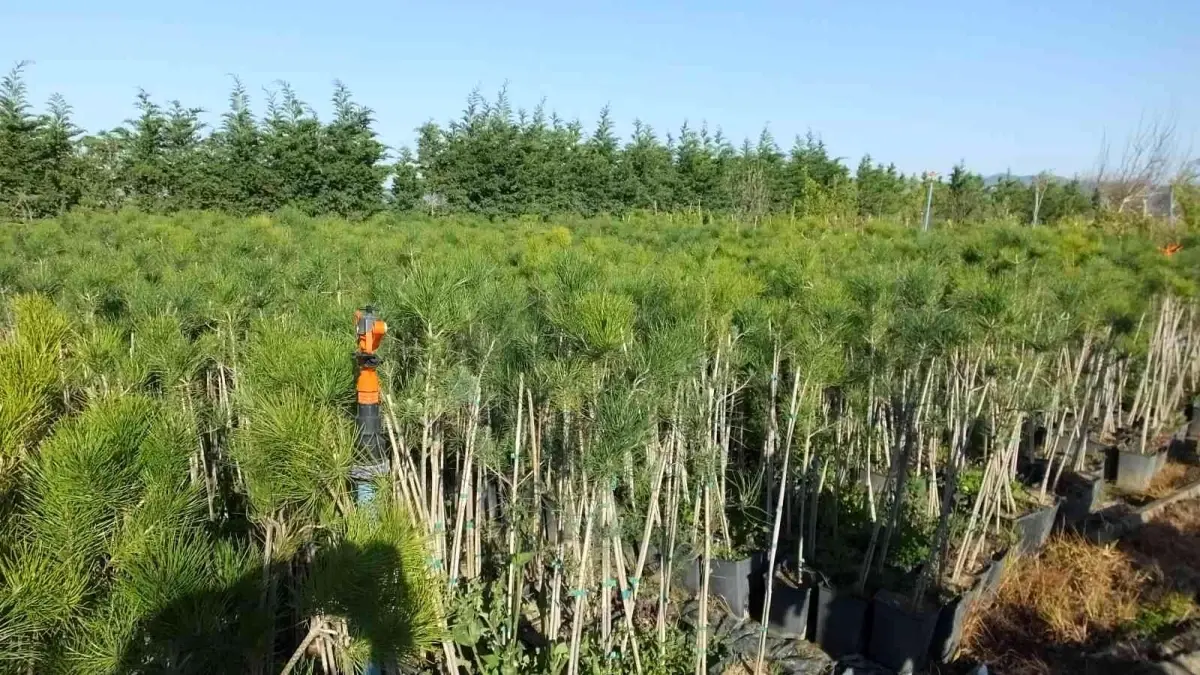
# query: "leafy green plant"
1169,610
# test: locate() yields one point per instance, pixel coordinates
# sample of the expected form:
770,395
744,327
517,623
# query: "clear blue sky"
1026,85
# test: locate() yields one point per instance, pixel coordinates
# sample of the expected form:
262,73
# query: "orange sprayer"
370,332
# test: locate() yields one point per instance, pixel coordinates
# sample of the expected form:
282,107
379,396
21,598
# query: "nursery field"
603,436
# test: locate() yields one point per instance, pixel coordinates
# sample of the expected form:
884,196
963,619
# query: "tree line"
492,160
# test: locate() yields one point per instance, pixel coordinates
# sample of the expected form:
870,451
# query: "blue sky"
1020,85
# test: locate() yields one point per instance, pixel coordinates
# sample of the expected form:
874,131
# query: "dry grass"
1075,593
1168,547
1172,477
739,668
1075,589
1078,597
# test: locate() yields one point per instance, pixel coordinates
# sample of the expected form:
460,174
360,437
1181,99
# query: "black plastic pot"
900,636
1193,428
737,582
878,481
1110,464
550,523
691,573
1082,495
790,607
840,621
991,578
1034,528
1031,471
1135,470
491,502
951,619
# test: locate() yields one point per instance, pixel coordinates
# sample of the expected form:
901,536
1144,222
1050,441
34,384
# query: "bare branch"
1148,160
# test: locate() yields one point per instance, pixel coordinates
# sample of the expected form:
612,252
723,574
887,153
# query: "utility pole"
929,176
1040,183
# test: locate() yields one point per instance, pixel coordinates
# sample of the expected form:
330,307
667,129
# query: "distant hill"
1027,180
1158,202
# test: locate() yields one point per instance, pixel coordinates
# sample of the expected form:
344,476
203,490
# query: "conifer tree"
646,170
237,157
292,150
967,197
408,188
19,130
598,169
351,160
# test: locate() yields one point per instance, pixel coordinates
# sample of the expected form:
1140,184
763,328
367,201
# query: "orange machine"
370,333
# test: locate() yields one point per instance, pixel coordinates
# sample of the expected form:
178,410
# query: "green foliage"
184,401
283,356
492,160
1164,612
29,375
376,577
295,456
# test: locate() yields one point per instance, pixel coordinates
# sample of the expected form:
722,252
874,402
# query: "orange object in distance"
1171,249
370,333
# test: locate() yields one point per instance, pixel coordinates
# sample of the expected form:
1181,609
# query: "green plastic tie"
634,581
579,593
609,583
626,594
435,562
471,524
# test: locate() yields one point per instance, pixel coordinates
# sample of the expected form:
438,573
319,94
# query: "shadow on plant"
225,628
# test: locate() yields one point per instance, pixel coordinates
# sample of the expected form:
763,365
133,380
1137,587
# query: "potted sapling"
736,571
789,588
731,553
903,619
786,595
839,615
901,625
1157,401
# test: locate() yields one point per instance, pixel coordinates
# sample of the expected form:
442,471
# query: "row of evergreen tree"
492,160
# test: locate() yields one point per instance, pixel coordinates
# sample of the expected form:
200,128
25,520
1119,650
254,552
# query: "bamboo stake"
580,591
705,575
514,580
787,454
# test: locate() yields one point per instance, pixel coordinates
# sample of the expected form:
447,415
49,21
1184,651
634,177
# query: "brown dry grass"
1172,477
1168,547
1073,594
1078,596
